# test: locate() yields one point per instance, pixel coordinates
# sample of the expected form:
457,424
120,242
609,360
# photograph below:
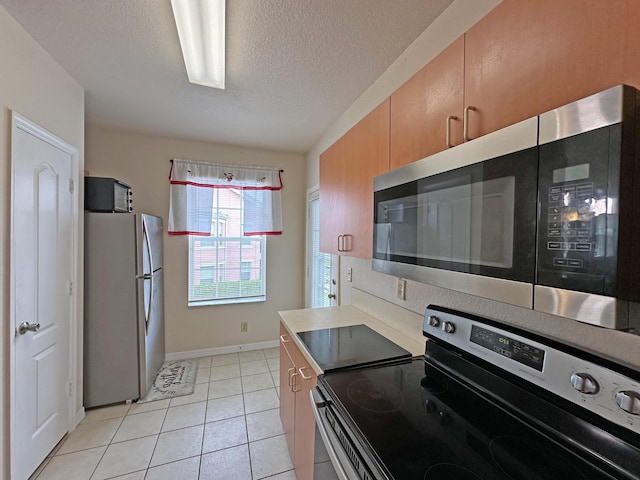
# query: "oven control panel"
586,383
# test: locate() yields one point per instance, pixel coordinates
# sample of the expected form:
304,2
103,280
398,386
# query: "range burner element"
450,471
379,397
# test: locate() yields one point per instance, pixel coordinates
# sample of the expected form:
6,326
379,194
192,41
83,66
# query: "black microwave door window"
477,219
395,223
480,219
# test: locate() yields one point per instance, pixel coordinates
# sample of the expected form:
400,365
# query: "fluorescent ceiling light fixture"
201,30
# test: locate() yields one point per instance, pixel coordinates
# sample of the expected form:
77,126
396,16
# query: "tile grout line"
108,445
204,425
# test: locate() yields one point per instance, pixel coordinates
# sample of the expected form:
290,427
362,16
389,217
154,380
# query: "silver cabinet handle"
342,246
290,372
282,339
448,134
465,122
303,375
346,242
294,386
28,327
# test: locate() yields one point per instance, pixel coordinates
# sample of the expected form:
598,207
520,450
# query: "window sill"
227,301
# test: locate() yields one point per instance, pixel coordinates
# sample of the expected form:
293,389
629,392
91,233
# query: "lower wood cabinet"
297,379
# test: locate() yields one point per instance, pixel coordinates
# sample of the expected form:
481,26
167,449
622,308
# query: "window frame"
220,248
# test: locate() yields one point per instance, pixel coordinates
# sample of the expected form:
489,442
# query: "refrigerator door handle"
147,277
147,241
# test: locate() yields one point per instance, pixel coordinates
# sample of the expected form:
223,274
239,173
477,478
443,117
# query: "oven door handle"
317,403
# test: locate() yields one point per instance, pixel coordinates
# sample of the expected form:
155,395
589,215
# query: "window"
226,267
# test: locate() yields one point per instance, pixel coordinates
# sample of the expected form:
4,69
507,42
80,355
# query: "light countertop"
343,316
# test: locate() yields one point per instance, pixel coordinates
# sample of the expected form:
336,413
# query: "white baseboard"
79,416
205,352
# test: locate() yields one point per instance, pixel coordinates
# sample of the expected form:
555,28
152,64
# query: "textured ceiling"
293,66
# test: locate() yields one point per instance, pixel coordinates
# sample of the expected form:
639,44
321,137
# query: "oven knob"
448,327
629,401
585,383
434,321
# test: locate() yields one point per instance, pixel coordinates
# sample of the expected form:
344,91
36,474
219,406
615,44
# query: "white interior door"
41,274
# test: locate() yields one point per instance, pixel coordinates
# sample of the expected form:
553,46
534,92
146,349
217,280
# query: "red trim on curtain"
232,187
199,234
260,233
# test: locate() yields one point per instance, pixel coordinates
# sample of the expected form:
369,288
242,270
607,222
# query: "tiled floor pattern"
228,429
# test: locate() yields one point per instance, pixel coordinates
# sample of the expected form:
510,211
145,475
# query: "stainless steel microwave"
542,214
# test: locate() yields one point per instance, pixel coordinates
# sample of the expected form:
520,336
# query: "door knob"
28,327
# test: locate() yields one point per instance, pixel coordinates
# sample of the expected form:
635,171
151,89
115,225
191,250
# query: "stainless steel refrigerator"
123,306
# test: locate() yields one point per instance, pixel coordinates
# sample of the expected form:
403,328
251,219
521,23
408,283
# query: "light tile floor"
228,429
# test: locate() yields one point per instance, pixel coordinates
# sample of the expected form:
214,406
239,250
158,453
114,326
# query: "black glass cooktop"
422,424
340,347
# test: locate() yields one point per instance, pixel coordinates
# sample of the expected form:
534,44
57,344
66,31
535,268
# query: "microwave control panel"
577,217
570,224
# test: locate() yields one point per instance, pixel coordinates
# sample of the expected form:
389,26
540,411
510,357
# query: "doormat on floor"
174,379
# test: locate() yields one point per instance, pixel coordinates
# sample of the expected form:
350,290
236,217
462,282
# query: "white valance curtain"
191,196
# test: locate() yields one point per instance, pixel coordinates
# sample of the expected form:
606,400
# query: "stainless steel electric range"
487,401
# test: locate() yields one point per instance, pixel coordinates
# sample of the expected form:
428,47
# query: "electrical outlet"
349,274
401,293
244,327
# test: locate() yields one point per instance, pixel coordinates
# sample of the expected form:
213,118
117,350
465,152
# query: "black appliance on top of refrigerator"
124,307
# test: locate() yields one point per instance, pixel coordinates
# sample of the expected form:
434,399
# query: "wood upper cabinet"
332,196
421,106
347,169
530,56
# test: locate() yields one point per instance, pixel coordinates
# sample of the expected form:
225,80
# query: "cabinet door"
332,191
530,56
287,396
304,423
367,153
420,107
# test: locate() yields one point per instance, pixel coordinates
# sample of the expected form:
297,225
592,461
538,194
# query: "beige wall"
375,292
142,161
32,84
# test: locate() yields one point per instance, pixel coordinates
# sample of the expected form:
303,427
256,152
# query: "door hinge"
70,287
72,185
69,388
